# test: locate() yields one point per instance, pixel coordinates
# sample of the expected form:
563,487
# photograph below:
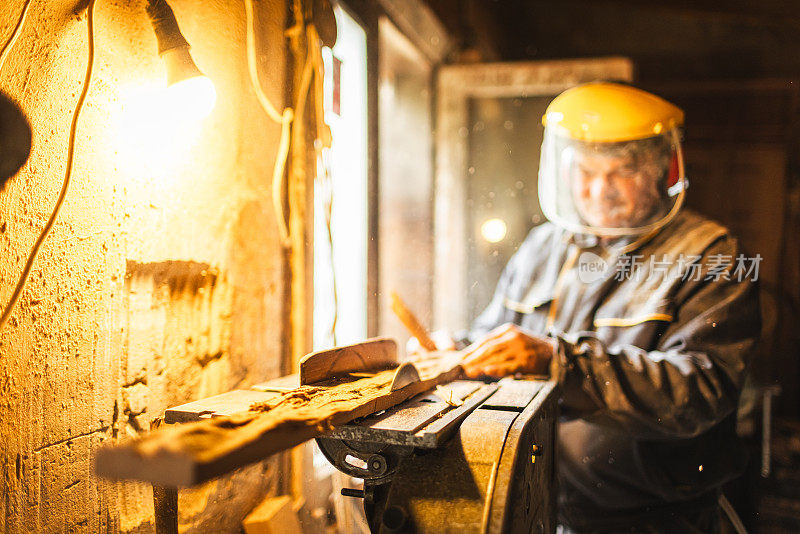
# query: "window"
340,272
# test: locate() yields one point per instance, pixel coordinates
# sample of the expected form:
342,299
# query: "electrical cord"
67,174
14,35
736,522
251,63
312,71
284,119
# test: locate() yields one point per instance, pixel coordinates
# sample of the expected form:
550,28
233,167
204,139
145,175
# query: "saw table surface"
423,421
238,428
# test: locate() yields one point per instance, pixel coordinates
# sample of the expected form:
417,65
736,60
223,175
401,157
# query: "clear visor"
611,189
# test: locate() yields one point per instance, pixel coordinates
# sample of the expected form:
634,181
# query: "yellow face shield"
611,161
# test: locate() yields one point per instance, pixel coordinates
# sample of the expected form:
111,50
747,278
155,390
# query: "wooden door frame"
456,85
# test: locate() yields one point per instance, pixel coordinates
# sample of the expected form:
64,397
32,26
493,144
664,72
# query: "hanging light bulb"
190,93
192,97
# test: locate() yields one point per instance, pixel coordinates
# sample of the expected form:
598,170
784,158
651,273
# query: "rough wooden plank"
378,353
191,453
230,403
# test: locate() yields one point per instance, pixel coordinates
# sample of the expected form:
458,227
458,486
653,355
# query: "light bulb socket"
165,26
179,65
172,45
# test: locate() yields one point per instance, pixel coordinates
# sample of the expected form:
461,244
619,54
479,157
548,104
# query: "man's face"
612,191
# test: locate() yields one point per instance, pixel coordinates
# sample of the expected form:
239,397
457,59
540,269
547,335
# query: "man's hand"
507,350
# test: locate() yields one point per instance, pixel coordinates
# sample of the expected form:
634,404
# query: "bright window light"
494,230
346,114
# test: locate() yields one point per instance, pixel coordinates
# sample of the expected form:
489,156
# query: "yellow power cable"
14,35
284,119
312,71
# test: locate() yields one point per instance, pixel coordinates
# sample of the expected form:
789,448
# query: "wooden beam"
766,12
411,323
191,453
418,22
273,516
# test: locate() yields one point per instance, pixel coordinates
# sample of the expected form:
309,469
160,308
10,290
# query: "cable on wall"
14,35
284,119
67,173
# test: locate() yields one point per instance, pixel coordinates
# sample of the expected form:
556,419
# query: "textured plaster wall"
161,282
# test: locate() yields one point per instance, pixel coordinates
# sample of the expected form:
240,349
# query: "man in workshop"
643,312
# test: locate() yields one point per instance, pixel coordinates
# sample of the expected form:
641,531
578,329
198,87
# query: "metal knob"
353,492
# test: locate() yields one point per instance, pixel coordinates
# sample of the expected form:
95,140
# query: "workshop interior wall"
163,278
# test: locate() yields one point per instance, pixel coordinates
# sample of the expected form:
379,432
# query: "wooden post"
300,202
165,505
165,500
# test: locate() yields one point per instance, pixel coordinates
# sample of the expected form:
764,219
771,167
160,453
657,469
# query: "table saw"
435,453
468,456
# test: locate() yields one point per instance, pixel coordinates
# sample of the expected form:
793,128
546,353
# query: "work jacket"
654,335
